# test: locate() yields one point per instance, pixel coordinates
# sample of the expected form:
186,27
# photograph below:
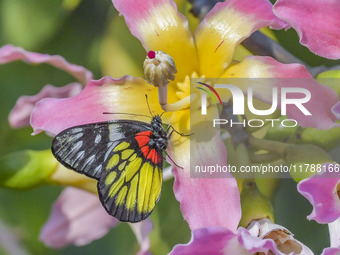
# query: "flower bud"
254,205
26,169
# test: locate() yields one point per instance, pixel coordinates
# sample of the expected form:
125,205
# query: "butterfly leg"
174,130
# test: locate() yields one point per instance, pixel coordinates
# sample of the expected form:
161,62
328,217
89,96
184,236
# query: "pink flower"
316,22
21,113
261,237
321,190
69,224
331,251
9,53
78,218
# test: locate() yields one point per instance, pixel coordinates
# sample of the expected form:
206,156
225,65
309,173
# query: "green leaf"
26,169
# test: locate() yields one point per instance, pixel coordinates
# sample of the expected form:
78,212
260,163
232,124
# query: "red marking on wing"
146,133
145,150
143,138
154,156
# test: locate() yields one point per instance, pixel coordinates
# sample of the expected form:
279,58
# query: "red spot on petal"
219,45
151,54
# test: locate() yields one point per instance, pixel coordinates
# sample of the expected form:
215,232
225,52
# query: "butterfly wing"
117,154
130,193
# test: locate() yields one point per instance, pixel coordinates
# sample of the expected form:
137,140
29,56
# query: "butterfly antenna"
172,160
161,114
147,102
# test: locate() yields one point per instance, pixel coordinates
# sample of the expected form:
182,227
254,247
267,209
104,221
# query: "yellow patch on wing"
122,165
145,183
133,157
127,153
121,146
132,168
121,196
110,178
117,185
113,161
132,195
156,187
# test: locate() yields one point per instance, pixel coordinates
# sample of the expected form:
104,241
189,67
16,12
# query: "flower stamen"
159,69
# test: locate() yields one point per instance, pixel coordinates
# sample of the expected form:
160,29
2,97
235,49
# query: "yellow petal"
159,26
225,27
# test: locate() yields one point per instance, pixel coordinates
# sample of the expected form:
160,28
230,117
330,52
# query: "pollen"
159,68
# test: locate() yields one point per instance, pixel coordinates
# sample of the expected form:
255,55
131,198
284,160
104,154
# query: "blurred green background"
76,29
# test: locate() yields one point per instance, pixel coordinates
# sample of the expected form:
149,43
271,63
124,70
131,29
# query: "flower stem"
242,154
264,157
179,105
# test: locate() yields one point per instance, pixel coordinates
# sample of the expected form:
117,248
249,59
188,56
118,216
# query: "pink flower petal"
142,230
225,27
21,113
336,110
9,53
159,26
212,240
321,192
205,201
334,233
265,236
316,22
221,241
124,95
255,244
291,75
77,218
331,251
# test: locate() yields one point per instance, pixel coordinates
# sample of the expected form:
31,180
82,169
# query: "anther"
159,68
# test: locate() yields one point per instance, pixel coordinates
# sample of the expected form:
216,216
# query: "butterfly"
125,156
